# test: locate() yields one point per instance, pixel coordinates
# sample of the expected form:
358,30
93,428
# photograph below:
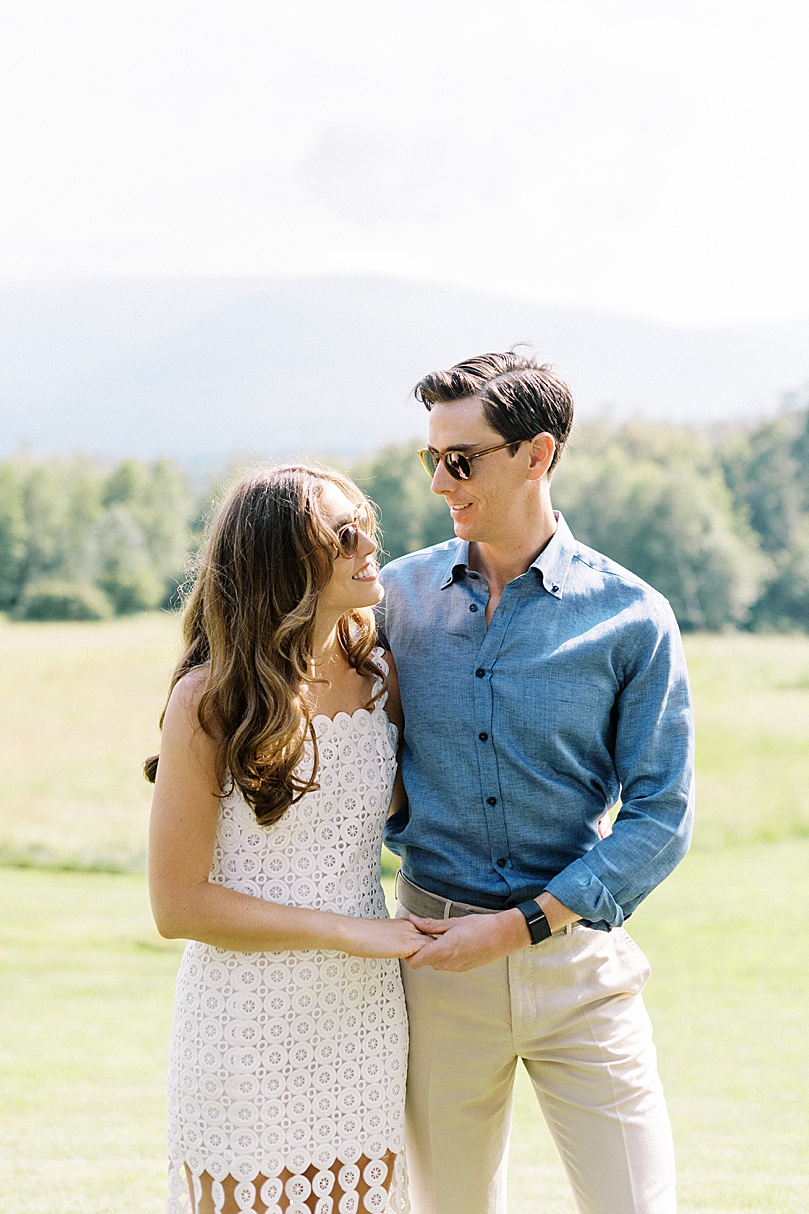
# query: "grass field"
85,996
82,701
85,1005
79,711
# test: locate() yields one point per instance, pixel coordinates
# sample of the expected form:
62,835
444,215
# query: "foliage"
52,599
767,471
718,523
784,602
12,536
662,509
75,532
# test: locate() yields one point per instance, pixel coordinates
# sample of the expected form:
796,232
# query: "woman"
288,1052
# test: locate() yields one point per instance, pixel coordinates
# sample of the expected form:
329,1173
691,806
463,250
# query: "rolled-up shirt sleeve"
654,762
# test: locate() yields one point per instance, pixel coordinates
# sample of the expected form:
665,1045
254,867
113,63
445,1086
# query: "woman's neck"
327,653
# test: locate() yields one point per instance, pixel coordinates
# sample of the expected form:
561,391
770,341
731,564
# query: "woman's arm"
182,834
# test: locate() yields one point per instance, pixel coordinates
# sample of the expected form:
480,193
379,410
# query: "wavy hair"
250,617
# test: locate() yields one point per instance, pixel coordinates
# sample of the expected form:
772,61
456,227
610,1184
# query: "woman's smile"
368,573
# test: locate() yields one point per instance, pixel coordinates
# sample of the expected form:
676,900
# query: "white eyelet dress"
288,1068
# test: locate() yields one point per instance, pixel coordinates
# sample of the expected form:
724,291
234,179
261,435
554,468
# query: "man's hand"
465,943
473,940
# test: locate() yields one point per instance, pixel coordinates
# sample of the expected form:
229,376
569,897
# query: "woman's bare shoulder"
187,693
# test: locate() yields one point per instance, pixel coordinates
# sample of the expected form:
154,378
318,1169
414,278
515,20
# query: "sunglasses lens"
457,465
348,538
428,462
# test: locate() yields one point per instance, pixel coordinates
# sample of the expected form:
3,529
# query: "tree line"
718,522
82,541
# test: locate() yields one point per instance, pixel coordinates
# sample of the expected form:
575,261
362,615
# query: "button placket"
483,691
490,791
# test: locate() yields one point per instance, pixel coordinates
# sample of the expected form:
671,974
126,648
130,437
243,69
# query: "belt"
431,906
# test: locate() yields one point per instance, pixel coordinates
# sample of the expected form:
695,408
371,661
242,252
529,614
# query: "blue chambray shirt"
518,737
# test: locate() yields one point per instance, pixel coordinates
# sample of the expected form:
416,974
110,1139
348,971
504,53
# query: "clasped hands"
473,940
465,943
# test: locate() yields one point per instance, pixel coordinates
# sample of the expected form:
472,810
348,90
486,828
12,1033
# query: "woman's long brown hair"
250,617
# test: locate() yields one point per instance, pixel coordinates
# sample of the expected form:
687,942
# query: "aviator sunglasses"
458,465
348,536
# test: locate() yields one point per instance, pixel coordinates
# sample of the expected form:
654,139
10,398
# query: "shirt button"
473,606
480,673
501,862
491,800
554,587
484,737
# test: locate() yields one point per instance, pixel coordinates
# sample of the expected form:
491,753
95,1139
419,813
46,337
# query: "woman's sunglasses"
458,465
348,536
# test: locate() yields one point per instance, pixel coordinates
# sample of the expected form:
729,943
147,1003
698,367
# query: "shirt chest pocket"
571,707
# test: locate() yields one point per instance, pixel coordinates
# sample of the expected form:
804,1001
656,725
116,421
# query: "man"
540,683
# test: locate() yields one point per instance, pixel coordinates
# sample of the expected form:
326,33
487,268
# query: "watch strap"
538,925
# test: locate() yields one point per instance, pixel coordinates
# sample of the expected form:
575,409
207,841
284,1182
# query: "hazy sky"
634,156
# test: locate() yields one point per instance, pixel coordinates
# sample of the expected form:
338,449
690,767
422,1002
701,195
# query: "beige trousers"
571,1010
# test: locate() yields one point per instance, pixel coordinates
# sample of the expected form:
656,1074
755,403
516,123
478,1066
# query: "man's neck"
502,563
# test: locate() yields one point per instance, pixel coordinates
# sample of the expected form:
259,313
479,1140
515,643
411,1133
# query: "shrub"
52,599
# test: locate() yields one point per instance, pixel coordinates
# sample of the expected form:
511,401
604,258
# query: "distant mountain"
199,368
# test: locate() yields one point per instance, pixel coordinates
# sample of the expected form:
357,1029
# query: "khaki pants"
571,1009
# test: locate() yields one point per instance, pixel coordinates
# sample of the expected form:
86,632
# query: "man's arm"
654,754
654,761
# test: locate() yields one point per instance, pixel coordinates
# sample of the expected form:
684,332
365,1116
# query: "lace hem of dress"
324,1186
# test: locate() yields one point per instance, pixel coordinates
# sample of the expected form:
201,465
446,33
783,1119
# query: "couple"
530,683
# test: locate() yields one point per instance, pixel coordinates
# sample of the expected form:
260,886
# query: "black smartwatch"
538,925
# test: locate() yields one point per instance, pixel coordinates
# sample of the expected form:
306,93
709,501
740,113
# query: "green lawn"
751,699
79,712
82,701
86,984
85,1006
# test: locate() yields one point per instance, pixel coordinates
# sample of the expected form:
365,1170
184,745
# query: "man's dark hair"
521,397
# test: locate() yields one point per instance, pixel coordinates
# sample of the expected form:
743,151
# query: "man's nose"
442,482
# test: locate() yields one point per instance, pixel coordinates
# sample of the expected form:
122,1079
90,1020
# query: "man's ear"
542,451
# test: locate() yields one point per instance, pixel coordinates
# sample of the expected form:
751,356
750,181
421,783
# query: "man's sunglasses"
348,536
458,465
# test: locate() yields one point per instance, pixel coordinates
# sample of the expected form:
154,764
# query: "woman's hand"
382,937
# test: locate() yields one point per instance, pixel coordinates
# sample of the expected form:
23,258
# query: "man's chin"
464,530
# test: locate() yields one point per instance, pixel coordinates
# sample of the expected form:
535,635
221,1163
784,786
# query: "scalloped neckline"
322,716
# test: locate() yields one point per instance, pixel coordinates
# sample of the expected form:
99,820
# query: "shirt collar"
457,558
552,564
554,560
